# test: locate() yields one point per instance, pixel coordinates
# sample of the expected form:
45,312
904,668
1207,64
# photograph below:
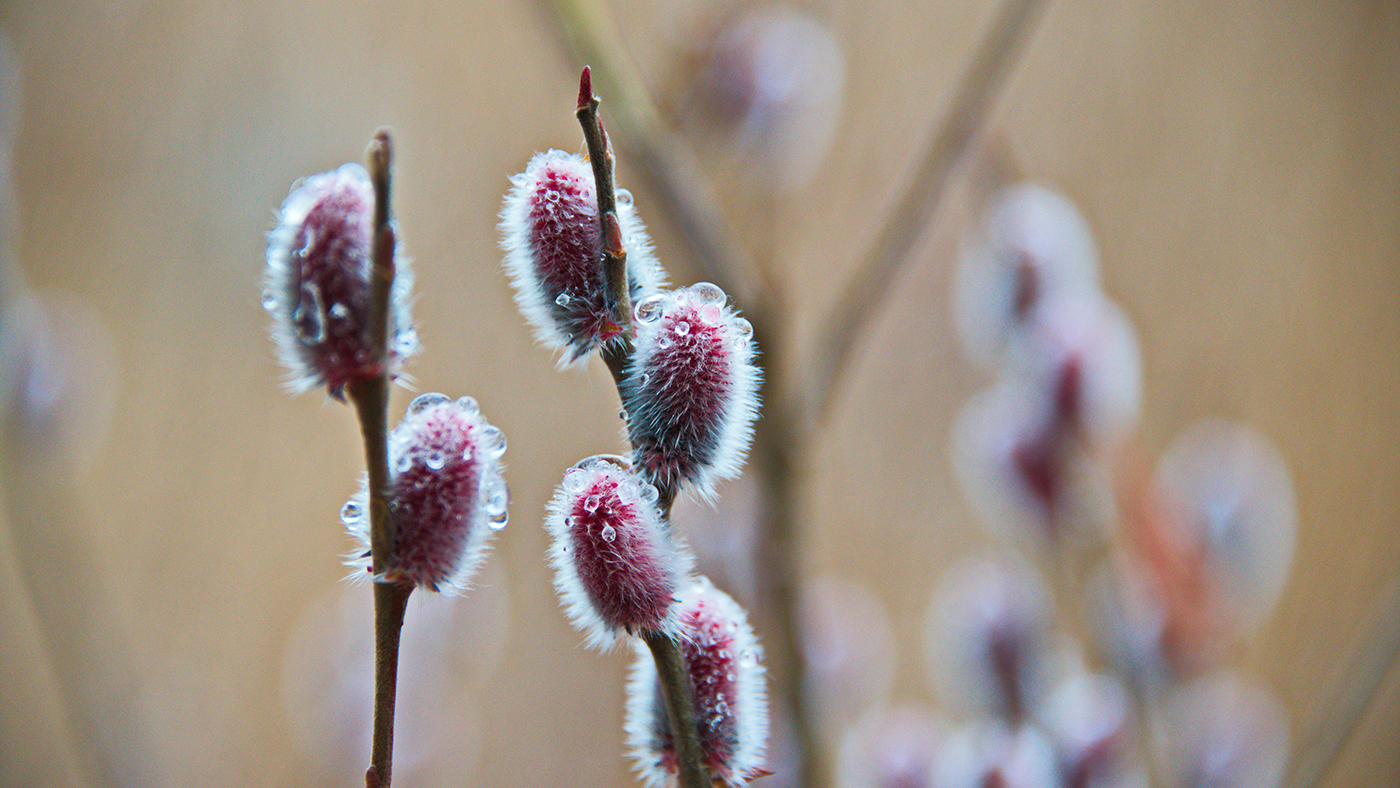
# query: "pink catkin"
447,494
616,566
723,658
317,284
692,393
550,233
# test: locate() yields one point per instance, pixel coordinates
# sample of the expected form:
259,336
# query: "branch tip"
585,89
379,154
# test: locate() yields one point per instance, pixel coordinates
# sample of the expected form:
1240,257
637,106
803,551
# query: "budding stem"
680,706
670,662
371,398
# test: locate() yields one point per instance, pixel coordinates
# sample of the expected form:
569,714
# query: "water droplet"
468,406
269,300
590,504
664,342
495,500
649,309
493,441
573,480
568,522
649,493
422,402
646,378
746,658
743,328
435,459
711,313
339,311
624,198
309,317
608,533
350,513
552,195
706,293
622,414
403,463
563,299
467,454
682,328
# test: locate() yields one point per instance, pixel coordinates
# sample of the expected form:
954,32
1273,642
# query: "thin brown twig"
371,399
617,352
680,706
973,100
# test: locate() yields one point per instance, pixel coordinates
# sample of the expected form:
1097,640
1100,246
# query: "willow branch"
617,353
371,399
973,100
670,662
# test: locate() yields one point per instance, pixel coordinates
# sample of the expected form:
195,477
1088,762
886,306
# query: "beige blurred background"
171,586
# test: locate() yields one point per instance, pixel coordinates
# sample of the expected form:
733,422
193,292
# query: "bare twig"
371,398
972,102
617,352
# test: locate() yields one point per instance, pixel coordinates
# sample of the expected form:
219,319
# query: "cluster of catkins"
1185,559
447,493
689,393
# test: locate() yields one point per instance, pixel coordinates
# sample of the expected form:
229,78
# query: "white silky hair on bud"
644,272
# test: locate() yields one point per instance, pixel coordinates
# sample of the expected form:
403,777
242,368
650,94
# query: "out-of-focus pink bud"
892,748
1079,352
446,495
691,395
1222,731
317,285
616,565
987,639
1233,496
1025,478
1089,718
1031,245
551,237
724,661
991,754
774,80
